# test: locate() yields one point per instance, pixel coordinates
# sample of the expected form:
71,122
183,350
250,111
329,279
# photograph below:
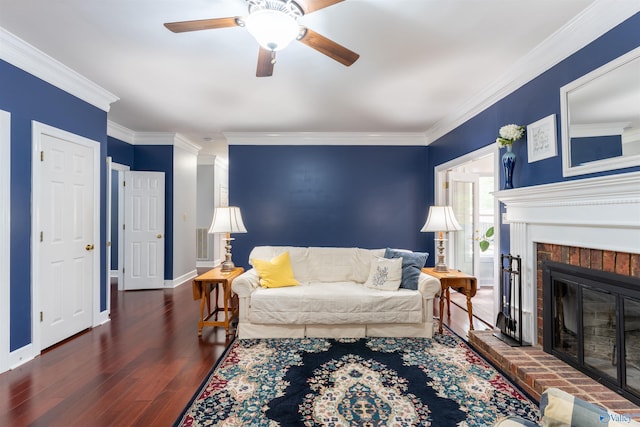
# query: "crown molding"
600,17
28,58
326,138
184,143
114,130
129,136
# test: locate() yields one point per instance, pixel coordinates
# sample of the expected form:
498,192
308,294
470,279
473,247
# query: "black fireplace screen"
591,320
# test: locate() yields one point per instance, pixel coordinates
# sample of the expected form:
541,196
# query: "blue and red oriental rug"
354,382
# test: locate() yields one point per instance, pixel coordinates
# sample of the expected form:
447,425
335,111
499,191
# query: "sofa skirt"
246,329
414,330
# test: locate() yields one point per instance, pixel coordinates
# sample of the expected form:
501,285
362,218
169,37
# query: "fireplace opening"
591,320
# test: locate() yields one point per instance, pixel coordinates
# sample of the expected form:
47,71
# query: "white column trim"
5,239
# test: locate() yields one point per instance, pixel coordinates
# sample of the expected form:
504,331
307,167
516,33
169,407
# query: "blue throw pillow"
412,264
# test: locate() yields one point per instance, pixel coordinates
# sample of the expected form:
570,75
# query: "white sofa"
331,300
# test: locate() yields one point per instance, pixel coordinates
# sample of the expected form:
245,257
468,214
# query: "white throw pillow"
385,274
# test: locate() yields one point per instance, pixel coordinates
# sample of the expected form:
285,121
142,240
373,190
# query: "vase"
508,162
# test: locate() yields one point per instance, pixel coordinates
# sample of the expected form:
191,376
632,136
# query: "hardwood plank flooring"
140,369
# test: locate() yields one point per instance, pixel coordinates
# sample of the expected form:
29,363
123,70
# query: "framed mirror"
600,118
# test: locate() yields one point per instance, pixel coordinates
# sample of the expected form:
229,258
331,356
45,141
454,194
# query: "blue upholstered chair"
559,408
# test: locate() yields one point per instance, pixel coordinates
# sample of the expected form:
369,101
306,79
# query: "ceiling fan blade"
201,24
309,6
330,48
265,63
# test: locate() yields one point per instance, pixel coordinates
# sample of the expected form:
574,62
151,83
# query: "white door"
143,230
67,240
464,197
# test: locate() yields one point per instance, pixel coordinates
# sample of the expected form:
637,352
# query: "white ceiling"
420,61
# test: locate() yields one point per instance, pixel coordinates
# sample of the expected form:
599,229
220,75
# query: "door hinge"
42,156
108,244
41,317
446,185
123,227
122,270
124,183
42,236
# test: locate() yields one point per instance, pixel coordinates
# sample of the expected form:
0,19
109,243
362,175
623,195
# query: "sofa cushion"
362,266
331,264
334,303
385,274
412,264
275,273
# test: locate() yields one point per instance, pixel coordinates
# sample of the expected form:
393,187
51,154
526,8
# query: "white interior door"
464,197
143,230
67,239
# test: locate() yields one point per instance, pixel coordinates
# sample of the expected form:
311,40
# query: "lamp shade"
227,220
441,218
273,29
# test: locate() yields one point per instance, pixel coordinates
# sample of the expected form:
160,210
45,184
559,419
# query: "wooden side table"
461,282
212,280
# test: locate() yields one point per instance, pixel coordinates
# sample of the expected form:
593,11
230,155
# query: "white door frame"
5,236
440,195
117,274
38,129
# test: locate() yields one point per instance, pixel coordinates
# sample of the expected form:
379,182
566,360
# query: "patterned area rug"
354,382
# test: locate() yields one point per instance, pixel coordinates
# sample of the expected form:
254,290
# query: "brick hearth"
534,370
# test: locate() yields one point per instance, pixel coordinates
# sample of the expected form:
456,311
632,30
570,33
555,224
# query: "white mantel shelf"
609,201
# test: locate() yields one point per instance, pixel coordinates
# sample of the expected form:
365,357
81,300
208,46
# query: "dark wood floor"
140,369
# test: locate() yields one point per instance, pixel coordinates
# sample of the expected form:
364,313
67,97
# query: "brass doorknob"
89,247
159,236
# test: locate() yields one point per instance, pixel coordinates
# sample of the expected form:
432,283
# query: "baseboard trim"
22,355
170,284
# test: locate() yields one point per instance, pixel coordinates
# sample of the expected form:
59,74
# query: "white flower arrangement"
509,134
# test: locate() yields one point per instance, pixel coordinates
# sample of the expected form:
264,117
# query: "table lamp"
227,220
441,220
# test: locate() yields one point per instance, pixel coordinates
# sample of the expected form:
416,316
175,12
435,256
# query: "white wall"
206,202
185,182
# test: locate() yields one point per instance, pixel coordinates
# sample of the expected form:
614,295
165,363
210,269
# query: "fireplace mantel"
596,213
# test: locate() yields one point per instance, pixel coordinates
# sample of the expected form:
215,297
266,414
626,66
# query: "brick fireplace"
593,223
622,263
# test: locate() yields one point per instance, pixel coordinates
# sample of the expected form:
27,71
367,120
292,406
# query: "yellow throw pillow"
276,273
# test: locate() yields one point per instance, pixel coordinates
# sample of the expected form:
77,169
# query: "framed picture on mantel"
541,139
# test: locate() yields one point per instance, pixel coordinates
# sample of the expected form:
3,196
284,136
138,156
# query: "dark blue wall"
28,98
535,100
364,196
120,151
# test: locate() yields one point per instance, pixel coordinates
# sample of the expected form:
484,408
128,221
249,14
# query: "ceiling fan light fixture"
272,29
